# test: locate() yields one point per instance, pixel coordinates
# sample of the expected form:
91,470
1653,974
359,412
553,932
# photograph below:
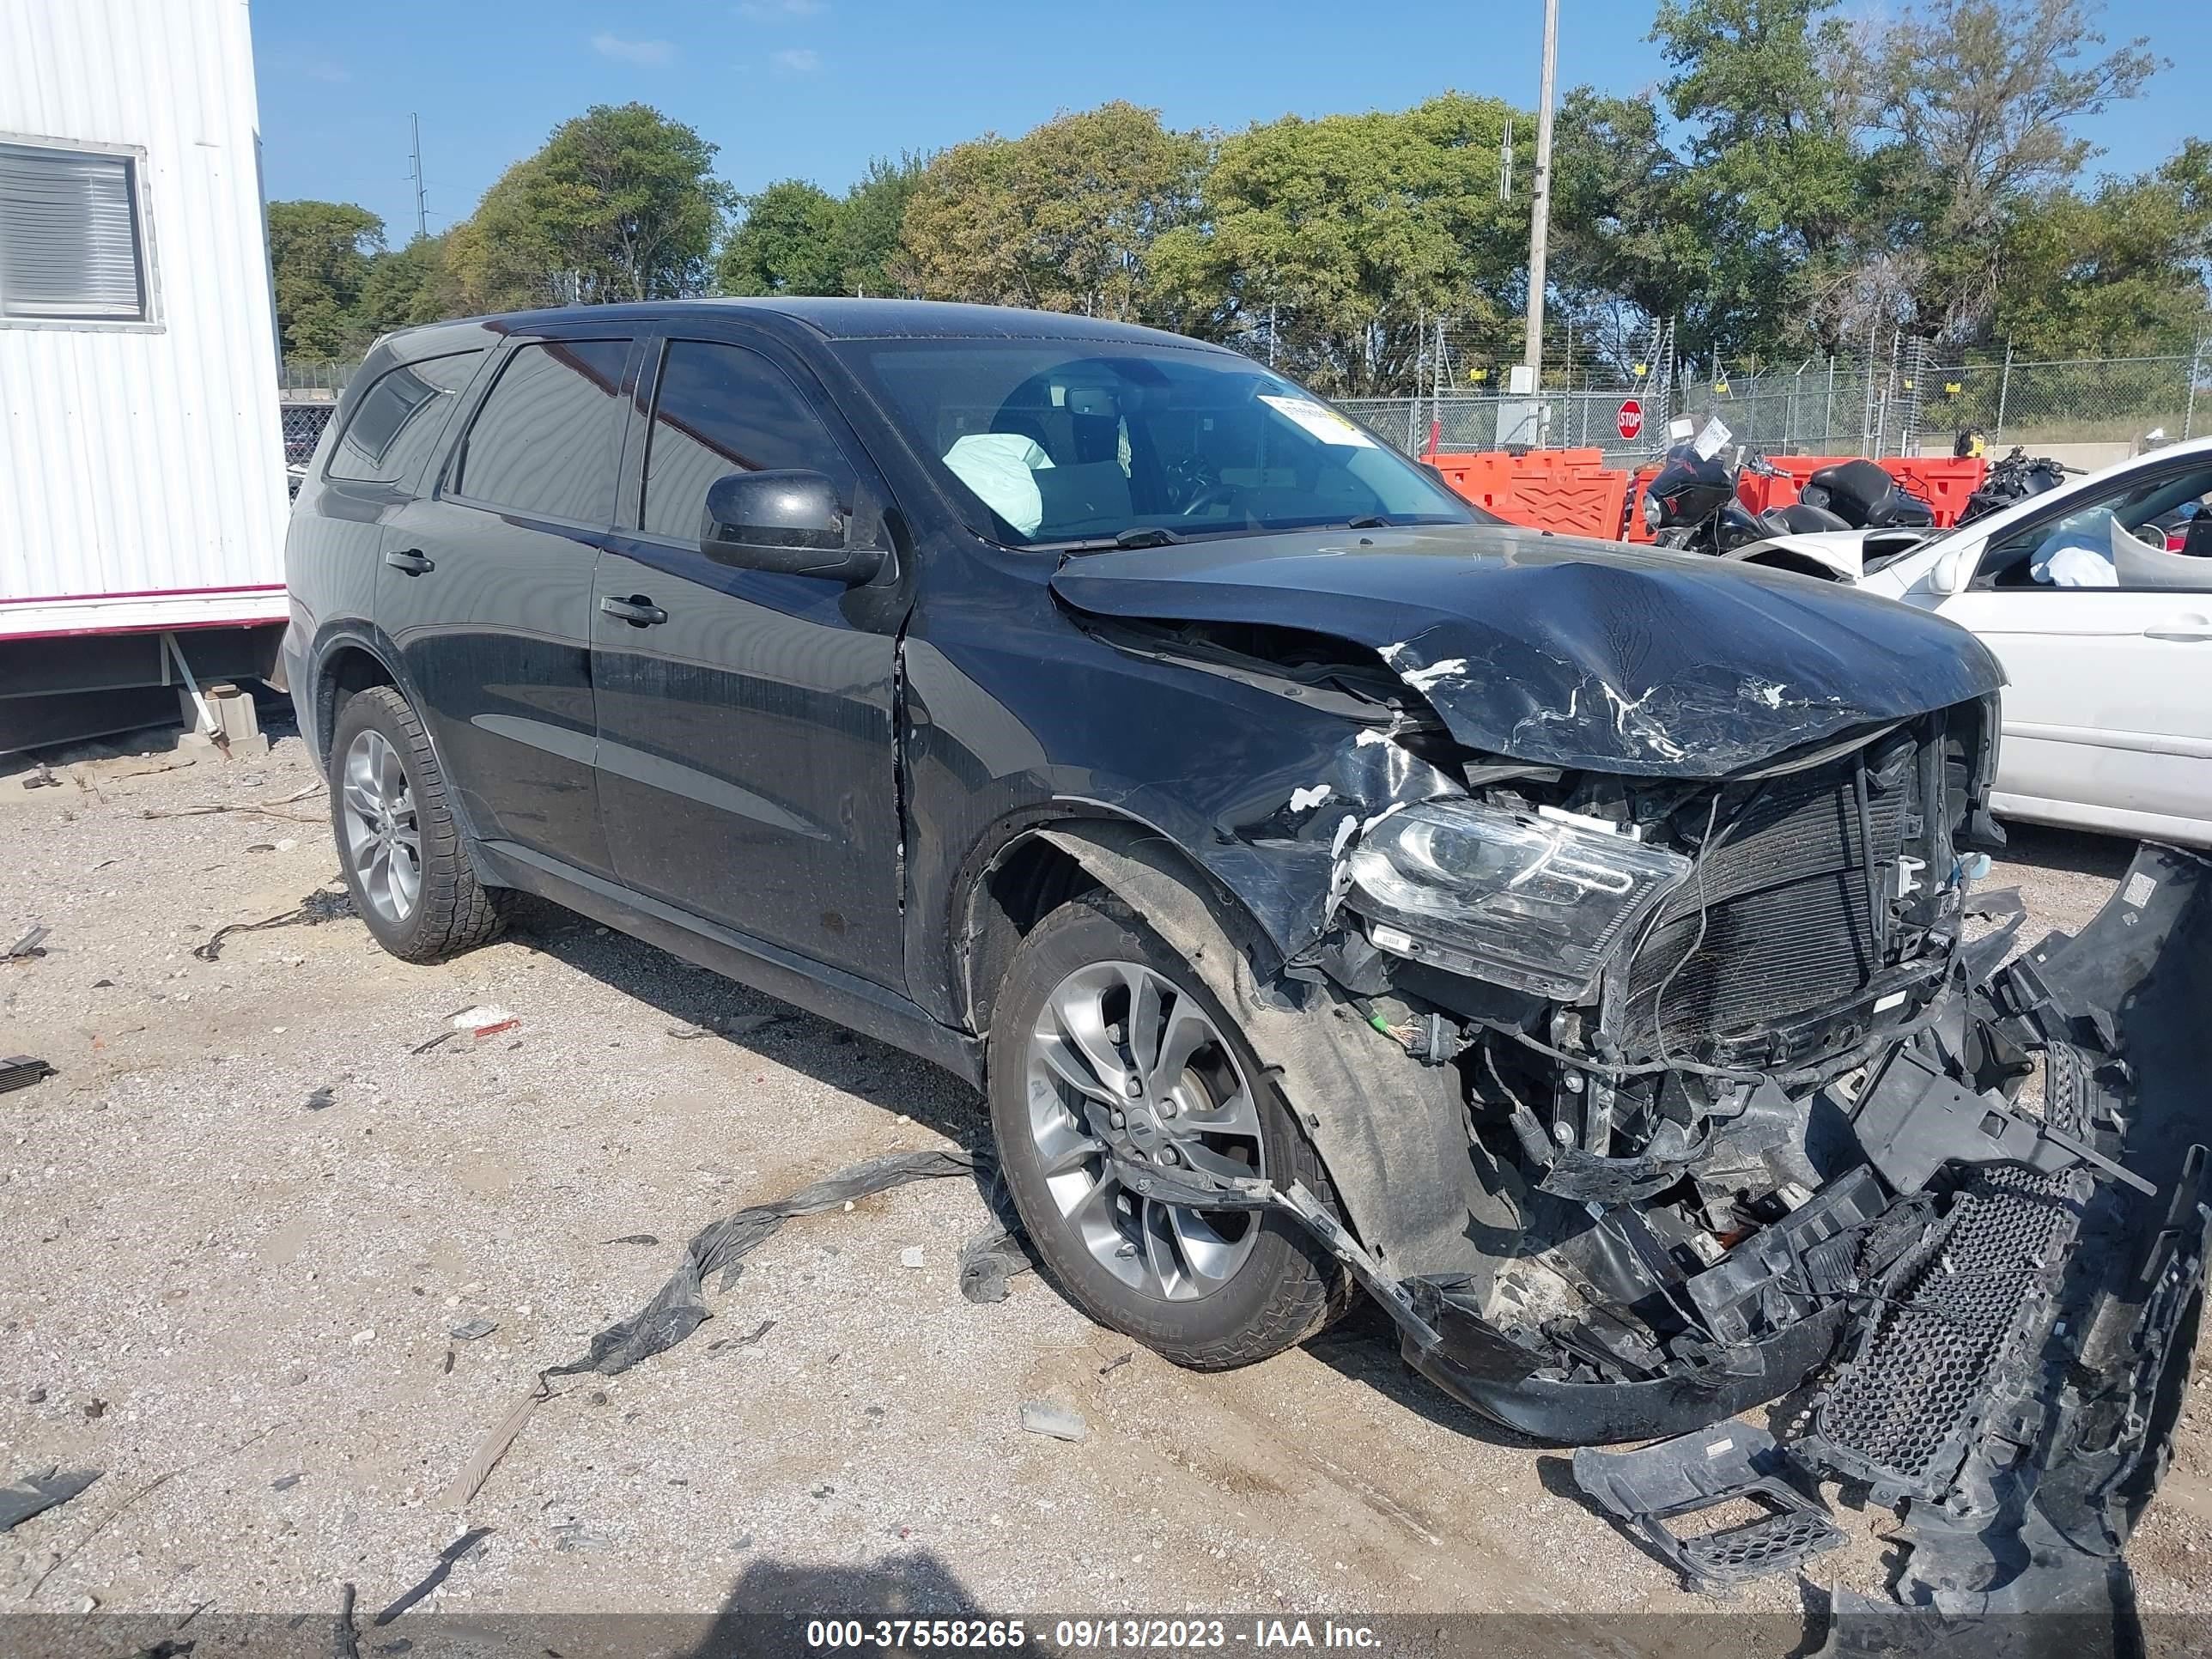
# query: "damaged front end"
1742,1089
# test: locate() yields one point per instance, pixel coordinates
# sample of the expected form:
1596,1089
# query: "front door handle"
637,610
2186,628
412,561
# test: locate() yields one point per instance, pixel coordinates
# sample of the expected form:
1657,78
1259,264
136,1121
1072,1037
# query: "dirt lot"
236,1300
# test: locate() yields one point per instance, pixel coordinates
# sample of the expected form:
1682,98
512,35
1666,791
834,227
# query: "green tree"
790,242
872,226
2122,271
320,257
621,203
1064,218
409,286
1337,236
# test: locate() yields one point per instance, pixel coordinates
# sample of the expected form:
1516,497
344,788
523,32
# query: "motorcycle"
1692,506
2014,478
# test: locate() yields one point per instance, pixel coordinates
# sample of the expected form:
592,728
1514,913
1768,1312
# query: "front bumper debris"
2011,1377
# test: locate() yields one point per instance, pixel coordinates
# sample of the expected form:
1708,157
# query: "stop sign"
1630,420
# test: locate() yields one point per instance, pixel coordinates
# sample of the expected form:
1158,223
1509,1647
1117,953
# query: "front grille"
1788,907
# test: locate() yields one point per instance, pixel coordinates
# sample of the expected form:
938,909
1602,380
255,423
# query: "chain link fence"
1907,402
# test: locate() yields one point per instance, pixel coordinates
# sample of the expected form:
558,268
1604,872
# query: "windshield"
1052,442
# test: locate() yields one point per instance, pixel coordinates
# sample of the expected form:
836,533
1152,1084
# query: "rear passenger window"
400,417
721,409
544,443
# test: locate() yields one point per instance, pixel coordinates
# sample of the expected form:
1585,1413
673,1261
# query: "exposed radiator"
1788,924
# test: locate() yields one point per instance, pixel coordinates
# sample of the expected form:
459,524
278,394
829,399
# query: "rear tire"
399,845
1207,1289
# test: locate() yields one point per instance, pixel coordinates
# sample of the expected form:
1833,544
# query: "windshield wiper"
1372,521
1140,535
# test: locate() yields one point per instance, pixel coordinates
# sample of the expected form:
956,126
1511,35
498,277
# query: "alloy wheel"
1125,1070
383,836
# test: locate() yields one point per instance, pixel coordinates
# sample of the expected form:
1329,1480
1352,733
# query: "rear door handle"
637,610
412,561
2186,628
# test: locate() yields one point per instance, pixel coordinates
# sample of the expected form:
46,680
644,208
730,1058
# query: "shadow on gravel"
2076,852
1363,1347
767,1608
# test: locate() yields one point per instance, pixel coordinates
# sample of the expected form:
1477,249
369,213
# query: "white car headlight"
1653,511
1537,903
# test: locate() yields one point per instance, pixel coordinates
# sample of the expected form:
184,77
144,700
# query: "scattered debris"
318,907
1116,1362
1710,1468
43,778
34,1494
447,1369
760,1331
678,1309
35,1397
474,1024
472,1330
262,847
574,1536
94,1410
22,1071
286,1482
345,1638
689,1033
1048,1418
57,1561
911,1257
996,1255
32,944
323,1098
634,1238
451,1555
750,1024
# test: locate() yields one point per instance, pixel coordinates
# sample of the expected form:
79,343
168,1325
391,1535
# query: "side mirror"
789,521
1949,572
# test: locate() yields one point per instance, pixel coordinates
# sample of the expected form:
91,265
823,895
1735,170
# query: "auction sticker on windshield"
1324,423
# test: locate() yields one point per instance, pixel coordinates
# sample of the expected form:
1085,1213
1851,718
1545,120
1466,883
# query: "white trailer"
142,495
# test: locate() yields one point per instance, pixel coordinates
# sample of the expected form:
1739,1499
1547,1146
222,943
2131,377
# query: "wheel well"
1027,882
347,671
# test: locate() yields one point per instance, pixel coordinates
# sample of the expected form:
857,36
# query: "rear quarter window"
397,423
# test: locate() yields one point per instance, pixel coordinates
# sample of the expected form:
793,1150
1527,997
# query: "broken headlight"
1538,902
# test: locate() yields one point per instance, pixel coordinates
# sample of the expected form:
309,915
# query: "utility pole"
1540,214
421,196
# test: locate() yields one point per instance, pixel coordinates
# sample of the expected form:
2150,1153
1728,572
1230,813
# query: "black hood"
1559,652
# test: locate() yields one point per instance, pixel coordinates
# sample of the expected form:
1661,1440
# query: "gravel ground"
236,1300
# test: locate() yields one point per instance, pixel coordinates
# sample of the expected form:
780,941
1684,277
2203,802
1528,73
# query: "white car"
2108,707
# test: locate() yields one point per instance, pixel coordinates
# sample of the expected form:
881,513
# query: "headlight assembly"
1538,903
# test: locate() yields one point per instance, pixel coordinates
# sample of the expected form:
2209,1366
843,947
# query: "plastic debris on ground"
34,1494
455,1552
472,1330
22,1071
32,944
318,907
678,1308
1049,1418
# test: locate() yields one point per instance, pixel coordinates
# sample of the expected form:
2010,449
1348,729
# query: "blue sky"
814,87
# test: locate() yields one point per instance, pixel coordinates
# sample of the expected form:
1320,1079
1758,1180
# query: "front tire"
1104,1039
399,845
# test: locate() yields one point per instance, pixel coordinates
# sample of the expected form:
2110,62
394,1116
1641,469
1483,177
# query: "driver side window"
2149,533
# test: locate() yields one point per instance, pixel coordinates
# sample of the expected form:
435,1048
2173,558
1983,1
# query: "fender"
1388,1130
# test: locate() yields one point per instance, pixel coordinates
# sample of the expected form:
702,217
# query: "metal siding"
140,460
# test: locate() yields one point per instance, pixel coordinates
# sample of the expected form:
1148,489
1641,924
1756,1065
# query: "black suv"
1323,882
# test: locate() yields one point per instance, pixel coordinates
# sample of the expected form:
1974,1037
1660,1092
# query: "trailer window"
72,247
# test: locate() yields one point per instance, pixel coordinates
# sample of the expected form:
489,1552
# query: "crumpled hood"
1561,652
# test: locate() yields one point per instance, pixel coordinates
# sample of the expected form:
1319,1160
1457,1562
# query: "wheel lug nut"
1168,1155
1136,1088
1115,1119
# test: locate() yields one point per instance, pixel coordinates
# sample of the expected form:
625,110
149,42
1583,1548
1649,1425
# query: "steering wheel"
1210,495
